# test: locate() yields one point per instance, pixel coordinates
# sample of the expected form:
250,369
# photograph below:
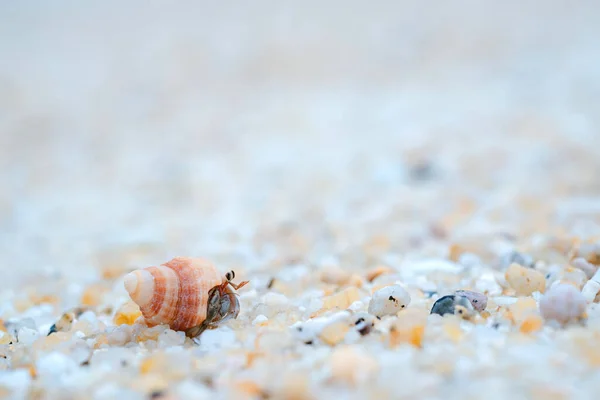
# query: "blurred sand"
178,125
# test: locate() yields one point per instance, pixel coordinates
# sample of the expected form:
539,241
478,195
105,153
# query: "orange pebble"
376,271
127,314
531,324
93,294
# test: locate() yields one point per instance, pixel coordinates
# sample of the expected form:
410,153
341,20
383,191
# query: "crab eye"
230,275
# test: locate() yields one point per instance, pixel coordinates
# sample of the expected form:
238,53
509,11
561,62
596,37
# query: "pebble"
590,252
574,276
584,265
275,300
524,314
111,390
113,358
260,320
127,314
308,331
193,390
13,327
334,274
478,300
525,281
377,271
27,336
452,304
16,383
55,365
119,336
63,324
516,257
341,300
215,339
591,289
334,333
409,328
564,304
389,301
363,322
6,338
94,294
170,338
352,365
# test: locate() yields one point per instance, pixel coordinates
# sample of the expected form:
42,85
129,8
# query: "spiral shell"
175,293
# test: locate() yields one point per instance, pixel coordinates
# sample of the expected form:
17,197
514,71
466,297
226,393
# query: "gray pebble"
450,304
515,257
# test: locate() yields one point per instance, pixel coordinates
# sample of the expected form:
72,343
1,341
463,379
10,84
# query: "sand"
322,151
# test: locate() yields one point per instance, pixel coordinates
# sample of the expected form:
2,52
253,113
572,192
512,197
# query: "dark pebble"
52,330
444,305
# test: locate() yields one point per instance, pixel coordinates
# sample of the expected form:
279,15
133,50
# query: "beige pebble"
334,333
152,382
355,280
334,274
352,365
294,386
574,276
342,299
525,281
409,328
94,294
523,308
377,271
6,338
590,252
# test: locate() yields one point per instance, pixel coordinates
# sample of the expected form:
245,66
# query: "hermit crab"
188,294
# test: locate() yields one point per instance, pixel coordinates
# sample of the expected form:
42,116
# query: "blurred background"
284,132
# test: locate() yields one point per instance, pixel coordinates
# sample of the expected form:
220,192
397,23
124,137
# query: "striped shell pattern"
177,292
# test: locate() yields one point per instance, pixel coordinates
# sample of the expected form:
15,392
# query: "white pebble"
120,336
17,382
356,306
591,288
193,390
309,330
27,336
55,365
388,301
215,339
114,357
170,338
273,299
79,334
13,327
259,320
88,316
111,391
563,303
